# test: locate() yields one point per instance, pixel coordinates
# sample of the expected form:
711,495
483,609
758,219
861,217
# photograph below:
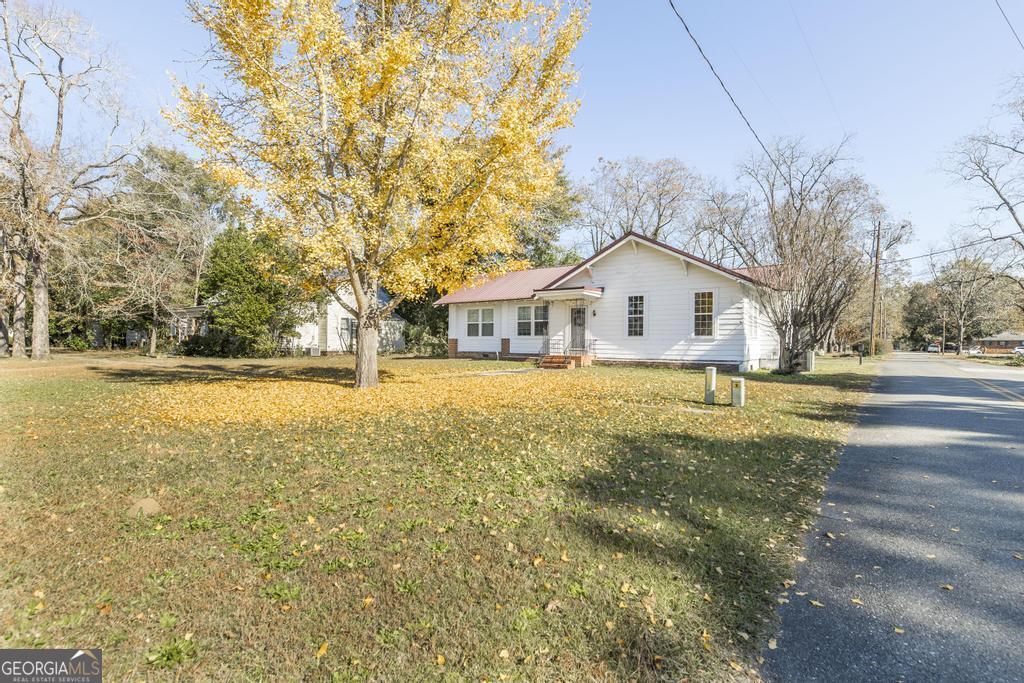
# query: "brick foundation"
679,365
453,348
506,347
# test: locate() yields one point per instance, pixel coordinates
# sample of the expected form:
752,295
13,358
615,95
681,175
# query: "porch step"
557,363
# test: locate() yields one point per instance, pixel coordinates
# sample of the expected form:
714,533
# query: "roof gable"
631,237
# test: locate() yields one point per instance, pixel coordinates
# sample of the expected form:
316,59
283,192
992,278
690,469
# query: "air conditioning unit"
314,350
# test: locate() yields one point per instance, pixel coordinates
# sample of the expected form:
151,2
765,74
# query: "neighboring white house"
333,329
636,300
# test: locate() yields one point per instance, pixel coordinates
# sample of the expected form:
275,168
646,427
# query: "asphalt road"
918,556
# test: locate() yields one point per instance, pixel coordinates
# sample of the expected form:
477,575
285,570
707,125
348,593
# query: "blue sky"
907,79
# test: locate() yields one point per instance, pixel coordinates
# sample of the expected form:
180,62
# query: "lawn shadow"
720,517
217,372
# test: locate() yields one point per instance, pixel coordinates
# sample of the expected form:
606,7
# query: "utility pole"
874,286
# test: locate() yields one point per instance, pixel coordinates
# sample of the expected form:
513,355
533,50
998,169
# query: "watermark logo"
51,666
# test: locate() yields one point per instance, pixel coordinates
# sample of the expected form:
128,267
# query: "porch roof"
564,293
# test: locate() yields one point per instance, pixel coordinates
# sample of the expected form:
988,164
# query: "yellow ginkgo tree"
395,144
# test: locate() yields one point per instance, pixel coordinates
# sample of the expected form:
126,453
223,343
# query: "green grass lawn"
557,525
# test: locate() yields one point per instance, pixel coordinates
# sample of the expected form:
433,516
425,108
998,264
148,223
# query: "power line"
1008,23
956,248
732,99
817,67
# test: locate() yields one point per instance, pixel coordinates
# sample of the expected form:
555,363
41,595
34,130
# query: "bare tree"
966,282
796,228
993,160
48,67
144,252
652,198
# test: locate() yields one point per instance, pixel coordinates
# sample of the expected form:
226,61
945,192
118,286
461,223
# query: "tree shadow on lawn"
847,381
714,537
216,373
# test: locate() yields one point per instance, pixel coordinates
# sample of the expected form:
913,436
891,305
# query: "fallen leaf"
946,586
440,660
897,629
322,650
856,601
816,603
772,644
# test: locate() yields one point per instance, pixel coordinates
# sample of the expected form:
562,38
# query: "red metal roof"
516,285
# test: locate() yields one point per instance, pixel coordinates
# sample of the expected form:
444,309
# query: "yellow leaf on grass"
322,650
440,660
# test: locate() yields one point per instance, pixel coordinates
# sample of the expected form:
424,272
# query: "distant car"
975,351
1019,351
932,348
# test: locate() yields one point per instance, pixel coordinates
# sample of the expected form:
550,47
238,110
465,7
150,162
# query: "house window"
635,316
704,314
532,320
480,322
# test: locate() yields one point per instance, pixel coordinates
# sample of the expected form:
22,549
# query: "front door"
578,328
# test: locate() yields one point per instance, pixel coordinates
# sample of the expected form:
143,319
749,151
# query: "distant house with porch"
636,301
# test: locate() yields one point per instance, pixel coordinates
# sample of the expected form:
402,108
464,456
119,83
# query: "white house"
637,300
333,329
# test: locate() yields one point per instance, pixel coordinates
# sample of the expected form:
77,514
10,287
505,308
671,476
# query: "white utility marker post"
809,365
710,376
739,391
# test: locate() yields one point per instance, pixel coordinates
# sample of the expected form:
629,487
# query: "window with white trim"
532,321
635,316
704,314
480,322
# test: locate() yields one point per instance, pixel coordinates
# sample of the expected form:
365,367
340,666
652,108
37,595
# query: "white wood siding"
391,337
668,287
505,318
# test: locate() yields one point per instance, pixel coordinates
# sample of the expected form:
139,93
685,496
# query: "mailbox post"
739,391
710,376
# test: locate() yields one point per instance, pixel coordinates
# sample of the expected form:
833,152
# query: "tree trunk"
18,317
5,330
40,304
960,345
367,342
152,334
